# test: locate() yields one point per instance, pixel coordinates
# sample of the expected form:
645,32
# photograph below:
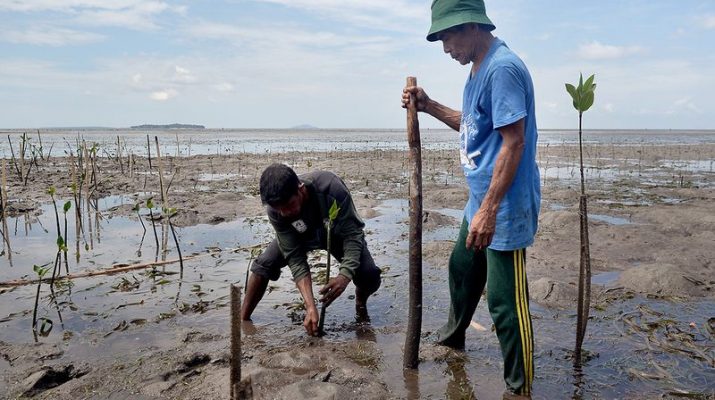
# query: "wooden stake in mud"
235,340
414,322
239,389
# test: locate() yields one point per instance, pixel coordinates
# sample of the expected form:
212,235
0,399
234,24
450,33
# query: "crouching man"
297,208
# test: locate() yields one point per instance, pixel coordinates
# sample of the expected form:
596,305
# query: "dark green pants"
508,300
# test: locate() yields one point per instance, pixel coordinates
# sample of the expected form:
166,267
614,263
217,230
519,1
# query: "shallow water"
135,311
188,142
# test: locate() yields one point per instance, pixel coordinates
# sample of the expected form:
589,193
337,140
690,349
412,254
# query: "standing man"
298,210
497,132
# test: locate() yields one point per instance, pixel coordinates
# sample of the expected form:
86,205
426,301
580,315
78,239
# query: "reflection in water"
459,387
412,383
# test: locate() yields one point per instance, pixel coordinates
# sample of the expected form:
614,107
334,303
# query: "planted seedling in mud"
3,214
170,212
582,100
332,214
136,208
41,271
61,243
66,208
150,206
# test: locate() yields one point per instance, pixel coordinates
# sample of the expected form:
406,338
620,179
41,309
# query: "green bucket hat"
449,13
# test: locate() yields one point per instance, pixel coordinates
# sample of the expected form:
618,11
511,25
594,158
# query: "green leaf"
51,191
586,102
149,203
588,85
40,270
333,212
45,326
60,242
572,91
67,206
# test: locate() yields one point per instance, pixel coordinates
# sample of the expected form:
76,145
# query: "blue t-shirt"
499,94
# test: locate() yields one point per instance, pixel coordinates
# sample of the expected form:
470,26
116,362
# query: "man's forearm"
450,117
305,286
505,167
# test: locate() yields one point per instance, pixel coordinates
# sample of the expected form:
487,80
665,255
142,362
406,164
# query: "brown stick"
235,340
414,321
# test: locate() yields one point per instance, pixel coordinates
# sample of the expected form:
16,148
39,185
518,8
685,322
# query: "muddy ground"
651,237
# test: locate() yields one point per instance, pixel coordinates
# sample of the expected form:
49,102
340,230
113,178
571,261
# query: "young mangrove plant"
583,97
332,214
170,212
41,271
150,206
61,243
136,208
3,213
66,208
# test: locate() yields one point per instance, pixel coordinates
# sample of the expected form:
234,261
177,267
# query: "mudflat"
164,335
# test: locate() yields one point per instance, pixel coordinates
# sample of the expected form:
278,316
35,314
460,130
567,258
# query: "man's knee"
369,279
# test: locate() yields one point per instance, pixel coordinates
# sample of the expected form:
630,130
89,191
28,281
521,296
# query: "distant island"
304,126
168,126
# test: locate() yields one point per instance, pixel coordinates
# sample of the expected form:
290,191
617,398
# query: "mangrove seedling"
66,208
332,214
41,271
136,208
150,206
582,97
170,212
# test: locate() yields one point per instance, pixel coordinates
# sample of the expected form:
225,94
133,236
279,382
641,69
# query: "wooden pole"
148,151
235,341
414,322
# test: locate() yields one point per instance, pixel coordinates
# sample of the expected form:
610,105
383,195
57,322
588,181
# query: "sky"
340,63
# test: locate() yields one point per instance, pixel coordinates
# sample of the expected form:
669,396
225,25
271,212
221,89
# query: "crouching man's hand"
311,321
333,289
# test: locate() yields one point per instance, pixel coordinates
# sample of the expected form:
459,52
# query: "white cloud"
598,51
684,104
50,36
131,14
394,15
285,35
163,95
225,87
708,21
608,107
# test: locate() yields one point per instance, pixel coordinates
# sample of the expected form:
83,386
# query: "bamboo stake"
414,321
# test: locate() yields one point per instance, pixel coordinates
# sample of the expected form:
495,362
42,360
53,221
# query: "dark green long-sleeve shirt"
308,232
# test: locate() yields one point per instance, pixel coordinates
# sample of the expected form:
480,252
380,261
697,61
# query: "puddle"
217,177
605,278
609,219
625,203
557,207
